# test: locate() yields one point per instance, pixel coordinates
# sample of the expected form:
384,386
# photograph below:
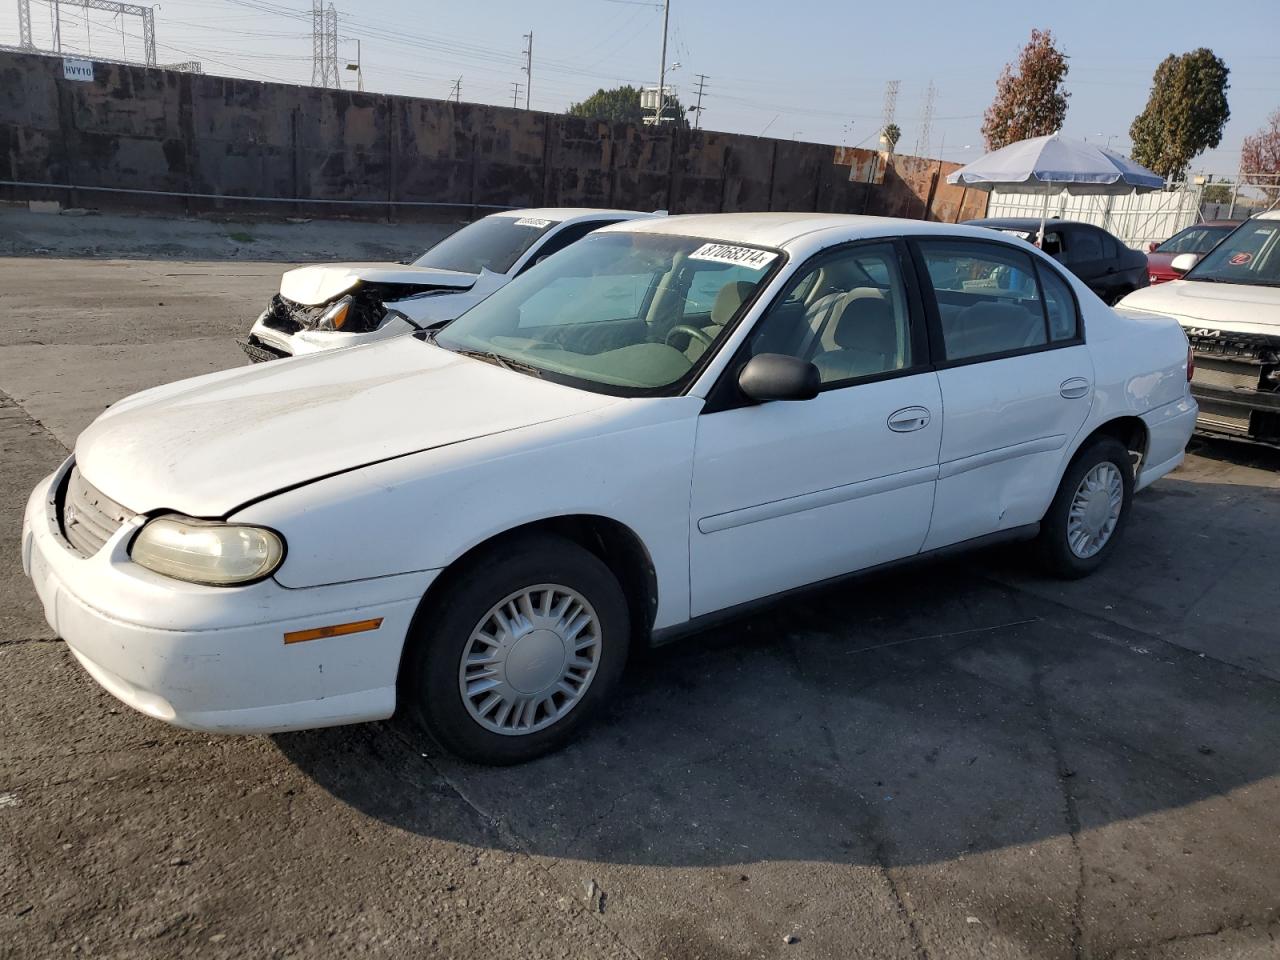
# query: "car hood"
315,285
1160,261
1233,307
209,445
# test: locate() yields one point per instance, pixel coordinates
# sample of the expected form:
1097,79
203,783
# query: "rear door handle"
1074,388
908,419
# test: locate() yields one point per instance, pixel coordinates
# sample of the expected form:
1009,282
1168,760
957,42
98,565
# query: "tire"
530,652
1055,542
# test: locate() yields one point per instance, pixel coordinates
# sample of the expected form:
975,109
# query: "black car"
1110,269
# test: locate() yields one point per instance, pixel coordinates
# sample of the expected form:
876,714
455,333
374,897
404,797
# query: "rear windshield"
1196,239
1250,256
494,243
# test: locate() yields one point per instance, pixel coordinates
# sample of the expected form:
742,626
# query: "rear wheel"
1089,511
521,646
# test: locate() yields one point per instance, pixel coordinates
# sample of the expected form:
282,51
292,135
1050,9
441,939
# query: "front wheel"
519,648
1089,512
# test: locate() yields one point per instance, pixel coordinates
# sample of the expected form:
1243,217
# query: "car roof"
1269,215
564,214
785,229
1027,223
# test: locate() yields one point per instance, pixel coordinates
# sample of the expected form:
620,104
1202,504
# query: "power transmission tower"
324,45
890,103
528,69
515,94
318,67
146,14
24,25
926,121
697,110
455,92
331,45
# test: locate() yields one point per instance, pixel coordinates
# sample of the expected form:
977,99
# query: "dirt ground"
958,760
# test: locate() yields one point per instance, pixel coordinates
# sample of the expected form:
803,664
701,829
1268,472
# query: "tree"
1216,193
1260,158
622,105
1185,112
890,136
1032,101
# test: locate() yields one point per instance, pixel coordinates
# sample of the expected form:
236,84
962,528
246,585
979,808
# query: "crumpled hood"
321,283
208,445
1231,307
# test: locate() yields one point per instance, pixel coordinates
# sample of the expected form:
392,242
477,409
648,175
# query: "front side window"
987,296
846,312
493,243
1085,245
615,312
1251,255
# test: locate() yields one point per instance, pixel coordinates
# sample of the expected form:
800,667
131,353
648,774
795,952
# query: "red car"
1199,239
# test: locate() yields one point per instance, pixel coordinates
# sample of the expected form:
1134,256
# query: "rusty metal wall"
199,143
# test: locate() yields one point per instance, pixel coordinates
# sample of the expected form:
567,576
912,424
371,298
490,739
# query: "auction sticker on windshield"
534,222
748,257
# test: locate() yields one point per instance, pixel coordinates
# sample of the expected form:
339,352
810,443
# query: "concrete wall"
175,133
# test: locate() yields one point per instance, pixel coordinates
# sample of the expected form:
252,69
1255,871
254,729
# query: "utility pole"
515,94
662,72
697,110
528,69
455,94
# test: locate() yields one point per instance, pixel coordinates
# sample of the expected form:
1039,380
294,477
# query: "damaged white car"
342,304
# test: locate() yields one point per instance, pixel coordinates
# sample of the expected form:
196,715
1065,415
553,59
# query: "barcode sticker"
748,257
534,222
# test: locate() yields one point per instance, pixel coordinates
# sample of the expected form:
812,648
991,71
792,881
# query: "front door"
793,492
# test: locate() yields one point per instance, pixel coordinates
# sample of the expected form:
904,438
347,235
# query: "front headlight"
207,551
335,317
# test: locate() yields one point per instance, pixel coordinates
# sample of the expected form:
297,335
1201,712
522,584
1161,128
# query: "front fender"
631,463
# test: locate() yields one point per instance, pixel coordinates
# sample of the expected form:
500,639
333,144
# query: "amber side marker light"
337,630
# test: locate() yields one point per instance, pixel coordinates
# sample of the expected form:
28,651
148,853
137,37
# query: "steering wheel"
693,333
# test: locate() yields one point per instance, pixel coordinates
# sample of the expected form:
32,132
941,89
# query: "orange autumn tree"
1031,101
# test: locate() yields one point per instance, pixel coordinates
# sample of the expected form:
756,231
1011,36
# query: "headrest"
867,324
728,300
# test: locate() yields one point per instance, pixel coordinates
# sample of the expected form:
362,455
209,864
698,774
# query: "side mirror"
775,376
1183,262
1151,247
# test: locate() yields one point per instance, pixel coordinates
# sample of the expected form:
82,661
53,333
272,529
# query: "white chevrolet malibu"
663,424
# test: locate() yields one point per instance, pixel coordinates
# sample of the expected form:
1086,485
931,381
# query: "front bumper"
210,658
1237,381
266,342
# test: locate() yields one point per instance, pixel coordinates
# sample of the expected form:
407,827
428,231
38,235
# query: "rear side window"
1084,245
1059,305
987,296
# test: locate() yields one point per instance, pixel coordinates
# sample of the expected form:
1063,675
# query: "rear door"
1016,383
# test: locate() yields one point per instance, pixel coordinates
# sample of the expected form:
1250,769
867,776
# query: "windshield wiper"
499,360
428,332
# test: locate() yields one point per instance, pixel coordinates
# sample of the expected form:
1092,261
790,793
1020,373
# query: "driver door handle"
908,419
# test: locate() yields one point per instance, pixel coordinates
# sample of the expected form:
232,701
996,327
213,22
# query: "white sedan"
666,423
344,304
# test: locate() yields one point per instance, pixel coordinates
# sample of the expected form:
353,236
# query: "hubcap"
1095,510
530,659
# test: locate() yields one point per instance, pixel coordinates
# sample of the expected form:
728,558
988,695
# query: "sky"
804,69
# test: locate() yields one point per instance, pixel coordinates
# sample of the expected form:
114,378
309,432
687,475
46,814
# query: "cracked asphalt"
956,760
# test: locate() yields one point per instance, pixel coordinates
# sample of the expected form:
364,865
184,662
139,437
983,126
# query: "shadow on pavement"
910,718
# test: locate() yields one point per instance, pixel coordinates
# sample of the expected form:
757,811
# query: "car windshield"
623,313
1251,255
493,243
1196,239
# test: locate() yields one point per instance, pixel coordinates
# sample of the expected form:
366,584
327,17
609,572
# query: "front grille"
88,516
1227,374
